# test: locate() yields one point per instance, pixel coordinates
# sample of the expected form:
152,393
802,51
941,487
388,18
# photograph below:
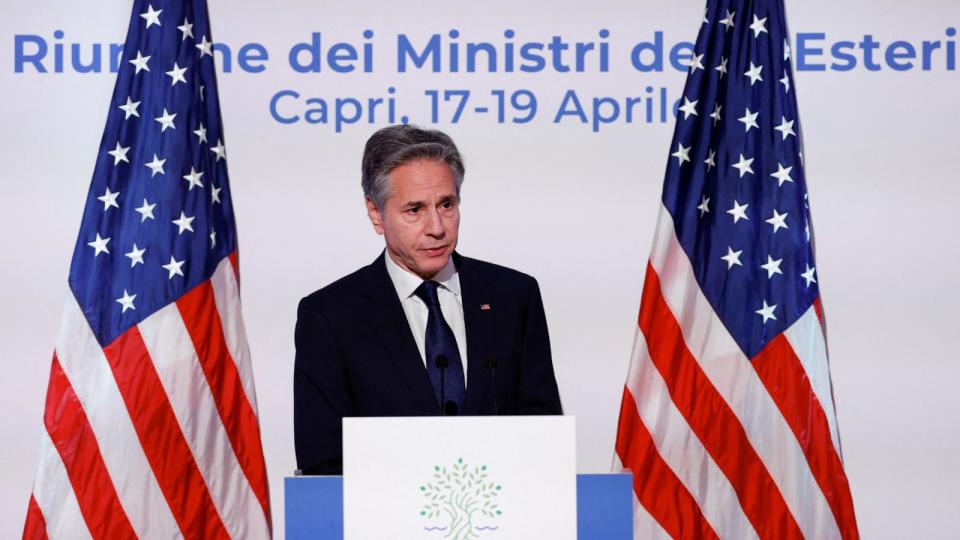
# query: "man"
422,331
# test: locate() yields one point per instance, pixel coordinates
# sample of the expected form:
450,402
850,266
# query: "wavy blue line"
486,528
434,528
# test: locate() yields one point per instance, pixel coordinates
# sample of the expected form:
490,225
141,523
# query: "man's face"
421,217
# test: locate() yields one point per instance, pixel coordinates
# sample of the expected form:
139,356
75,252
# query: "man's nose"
434,225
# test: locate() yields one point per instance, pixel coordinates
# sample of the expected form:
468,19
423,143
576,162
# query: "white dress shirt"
451,305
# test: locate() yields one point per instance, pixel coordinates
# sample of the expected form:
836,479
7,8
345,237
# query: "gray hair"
393,146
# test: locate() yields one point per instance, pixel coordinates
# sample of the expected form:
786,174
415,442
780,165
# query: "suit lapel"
480,333
390,323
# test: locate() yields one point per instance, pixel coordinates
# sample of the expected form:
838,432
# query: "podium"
314,507
466,478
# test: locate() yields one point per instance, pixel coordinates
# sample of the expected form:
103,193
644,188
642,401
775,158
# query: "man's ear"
374,214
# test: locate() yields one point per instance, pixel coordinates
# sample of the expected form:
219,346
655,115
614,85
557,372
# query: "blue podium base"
314,507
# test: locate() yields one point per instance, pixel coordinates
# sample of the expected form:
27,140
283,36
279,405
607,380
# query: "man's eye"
413,210
447,205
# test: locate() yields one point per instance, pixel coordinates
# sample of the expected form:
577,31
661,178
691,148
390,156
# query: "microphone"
442,364
492,366
450,409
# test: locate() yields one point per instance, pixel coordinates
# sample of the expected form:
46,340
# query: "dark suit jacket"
356,355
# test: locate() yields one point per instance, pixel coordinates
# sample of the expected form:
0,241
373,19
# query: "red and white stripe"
155,435
722,445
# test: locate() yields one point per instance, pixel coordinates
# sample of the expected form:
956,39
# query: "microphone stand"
442,364
492,364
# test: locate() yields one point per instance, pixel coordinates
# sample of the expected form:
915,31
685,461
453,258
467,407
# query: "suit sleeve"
321,396
538,385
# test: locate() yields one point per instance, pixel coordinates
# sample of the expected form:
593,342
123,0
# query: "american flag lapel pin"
484,307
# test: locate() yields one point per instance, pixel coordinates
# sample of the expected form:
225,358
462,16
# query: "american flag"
150,425
728,420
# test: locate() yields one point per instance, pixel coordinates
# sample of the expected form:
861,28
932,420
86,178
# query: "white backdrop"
572,207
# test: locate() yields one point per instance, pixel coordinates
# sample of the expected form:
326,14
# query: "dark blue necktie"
440,342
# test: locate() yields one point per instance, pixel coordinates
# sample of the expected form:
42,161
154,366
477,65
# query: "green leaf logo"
460,503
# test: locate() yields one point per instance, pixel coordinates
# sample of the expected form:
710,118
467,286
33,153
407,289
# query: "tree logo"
460,501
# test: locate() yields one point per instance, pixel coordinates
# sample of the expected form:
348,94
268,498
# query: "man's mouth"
434,251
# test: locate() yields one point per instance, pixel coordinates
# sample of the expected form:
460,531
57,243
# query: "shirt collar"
406,282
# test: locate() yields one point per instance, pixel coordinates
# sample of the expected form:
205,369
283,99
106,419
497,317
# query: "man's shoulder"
364,281
488,272
343,289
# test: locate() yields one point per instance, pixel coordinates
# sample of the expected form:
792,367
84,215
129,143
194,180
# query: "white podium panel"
459,478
